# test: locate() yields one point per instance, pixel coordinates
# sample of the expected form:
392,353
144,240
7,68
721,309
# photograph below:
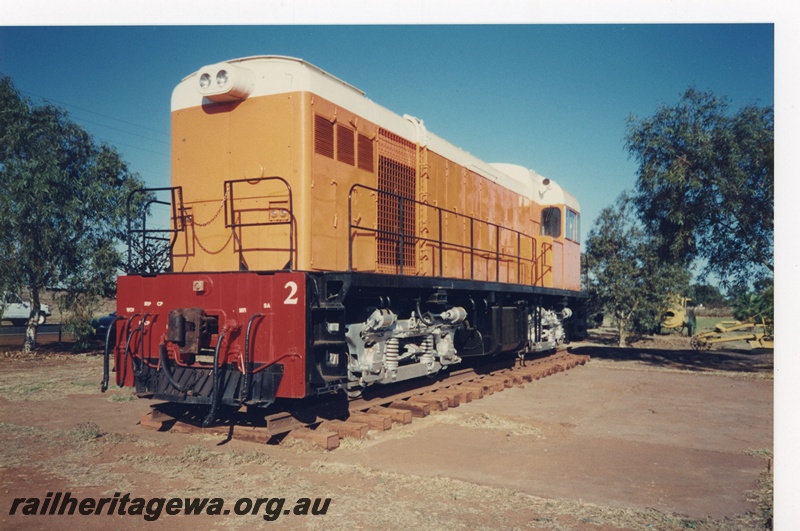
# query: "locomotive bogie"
385,349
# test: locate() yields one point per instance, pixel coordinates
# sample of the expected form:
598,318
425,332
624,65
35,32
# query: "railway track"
326,422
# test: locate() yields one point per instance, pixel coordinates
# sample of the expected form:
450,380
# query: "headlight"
233,83
222,78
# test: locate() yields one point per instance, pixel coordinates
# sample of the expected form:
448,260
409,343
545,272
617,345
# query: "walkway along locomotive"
321,243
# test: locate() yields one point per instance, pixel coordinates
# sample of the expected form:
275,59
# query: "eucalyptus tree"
706,184
625,277
62,206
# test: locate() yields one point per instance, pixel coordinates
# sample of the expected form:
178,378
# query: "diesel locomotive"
320,243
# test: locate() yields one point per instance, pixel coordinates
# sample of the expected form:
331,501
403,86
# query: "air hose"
106,354
244,394
128,349
162,356
212,412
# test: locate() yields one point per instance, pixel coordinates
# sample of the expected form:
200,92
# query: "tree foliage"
626,278
706,184
751,307
707,295
756,304
63,206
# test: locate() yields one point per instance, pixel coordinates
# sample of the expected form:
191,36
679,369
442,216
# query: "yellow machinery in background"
679,316
757,334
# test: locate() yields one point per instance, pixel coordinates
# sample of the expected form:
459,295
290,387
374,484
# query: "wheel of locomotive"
353,390
700,342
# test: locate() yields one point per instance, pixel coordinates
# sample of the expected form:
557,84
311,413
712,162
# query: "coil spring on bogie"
428,356
392,355
428,344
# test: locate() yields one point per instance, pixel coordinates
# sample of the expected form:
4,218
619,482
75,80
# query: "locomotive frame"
419,278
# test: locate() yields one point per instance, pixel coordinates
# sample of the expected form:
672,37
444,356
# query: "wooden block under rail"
326,439
403,416
374,421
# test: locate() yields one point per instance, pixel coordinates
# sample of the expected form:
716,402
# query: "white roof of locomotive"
278,74
545,194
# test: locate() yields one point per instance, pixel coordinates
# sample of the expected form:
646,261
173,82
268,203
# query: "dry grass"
439,503
61,453
764,493
77,374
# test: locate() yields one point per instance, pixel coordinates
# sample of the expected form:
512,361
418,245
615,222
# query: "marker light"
233,83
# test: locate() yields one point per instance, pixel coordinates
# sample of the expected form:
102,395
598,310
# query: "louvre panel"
345,145
323,136
366,155
396,218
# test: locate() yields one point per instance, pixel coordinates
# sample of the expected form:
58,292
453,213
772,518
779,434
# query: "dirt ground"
651,437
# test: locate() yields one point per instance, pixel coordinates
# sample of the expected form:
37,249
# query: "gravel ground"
650,437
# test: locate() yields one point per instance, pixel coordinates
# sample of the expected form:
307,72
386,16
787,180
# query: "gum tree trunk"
622,334
33,323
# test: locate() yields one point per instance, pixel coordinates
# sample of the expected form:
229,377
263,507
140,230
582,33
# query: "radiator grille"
396,218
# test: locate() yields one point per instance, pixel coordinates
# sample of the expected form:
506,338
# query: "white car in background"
18,311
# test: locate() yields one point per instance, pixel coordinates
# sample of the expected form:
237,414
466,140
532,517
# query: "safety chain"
210,221
196,239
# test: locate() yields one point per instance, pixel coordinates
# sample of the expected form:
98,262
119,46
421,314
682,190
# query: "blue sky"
554,98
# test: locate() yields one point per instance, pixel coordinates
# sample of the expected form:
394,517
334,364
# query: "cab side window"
551,222
573,228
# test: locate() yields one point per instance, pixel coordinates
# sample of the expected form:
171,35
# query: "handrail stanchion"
441,253
471,249
497,252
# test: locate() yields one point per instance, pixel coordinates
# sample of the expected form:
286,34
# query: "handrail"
176,202
230,211
400,235
544,267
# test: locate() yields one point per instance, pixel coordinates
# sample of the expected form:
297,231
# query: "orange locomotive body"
319,242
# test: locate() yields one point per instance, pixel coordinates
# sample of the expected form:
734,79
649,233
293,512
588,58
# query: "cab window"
551,222
573,227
